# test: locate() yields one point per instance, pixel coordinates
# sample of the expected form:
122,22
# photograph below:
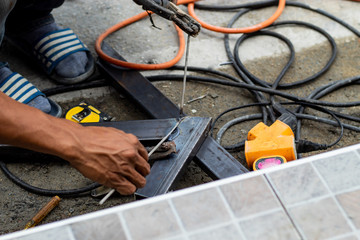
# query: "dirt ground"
18,206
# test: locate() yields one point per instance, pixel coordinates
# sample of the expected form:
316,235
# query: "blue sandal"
52,48
20,89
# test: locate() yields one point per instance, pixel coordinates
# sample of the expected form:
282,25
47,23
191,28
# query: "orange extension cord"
180,33
250,29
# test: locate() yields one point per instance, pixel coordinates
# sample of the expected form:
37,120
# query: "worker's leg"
29,21
5,8
29,15
39,102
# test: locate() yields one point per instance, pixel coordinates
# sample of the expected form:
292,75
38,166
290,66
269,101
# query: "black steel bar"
138,88
217,162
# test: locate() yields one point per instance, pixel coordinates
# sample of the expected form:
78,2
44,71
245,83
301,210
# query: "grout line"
311,200
347,218
256,215
348,190
124,225
70,233
178,219
292,221
231,213
212,227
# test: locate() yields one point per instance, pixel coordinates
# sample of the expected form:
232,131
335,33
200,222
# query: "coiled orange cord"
250,29
180,33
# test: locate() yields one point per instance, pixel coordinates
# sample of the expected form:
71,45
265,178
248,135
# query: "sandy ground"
18,206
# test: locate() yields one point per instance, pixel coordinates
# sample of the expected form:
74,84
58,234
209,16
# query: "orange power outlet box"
276,140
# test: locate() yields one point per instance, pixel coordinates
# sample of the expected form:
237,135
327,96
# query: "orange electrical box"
263,141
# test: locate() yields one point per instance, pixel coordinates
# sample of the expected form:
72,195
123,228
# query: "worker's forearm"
28,127
106,155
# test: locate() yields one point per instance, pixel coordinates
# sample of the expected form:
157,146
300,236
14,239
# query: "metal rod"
185,74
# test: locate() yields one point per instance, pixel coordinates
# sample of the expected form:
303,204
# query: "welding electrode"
185,74
43,212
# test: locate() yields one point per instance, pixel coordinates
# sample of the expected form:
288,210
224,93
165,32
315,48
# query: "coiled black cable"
46,192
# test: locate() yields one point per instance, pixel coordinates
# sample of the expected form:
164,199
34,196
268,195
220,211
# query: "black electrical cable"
241,119
266,111
74,87
292,56
46,192
231,110
324,90
166,77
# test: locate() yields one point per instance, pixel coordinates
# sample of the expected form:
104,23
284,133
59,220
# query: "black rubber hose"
166,77
46,192
266,110
74,87
292,55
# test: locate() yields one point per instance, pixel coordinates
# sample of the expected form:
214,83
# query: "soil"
18,206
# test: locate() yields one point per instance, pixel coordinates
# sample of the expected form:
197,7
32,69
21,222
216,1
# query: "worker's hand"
111,157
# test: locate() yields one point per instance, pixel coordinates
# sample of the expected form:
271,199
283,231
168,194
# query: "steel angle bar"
222,164
165,173
159,106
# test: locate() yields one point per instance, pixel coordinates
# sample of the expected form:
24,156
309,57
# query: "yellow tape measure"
85,113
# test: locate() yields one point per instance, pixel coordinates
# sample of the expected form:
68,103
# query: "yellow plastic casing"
94,115
262,141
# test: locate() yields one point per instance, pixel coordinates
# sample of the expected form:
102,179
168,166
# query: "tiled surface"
297,184
350,202
314,198
258,197
341,172
320,219
275,225
99,228
151,221
201,209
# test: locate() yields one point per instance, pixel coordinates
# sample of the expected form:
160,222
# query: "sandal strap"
19,88
55,46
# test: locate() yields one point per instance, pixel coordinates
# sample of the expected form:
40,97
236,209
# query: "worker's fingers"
140,148
120,184
133,176
143,153
136,161
143,169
